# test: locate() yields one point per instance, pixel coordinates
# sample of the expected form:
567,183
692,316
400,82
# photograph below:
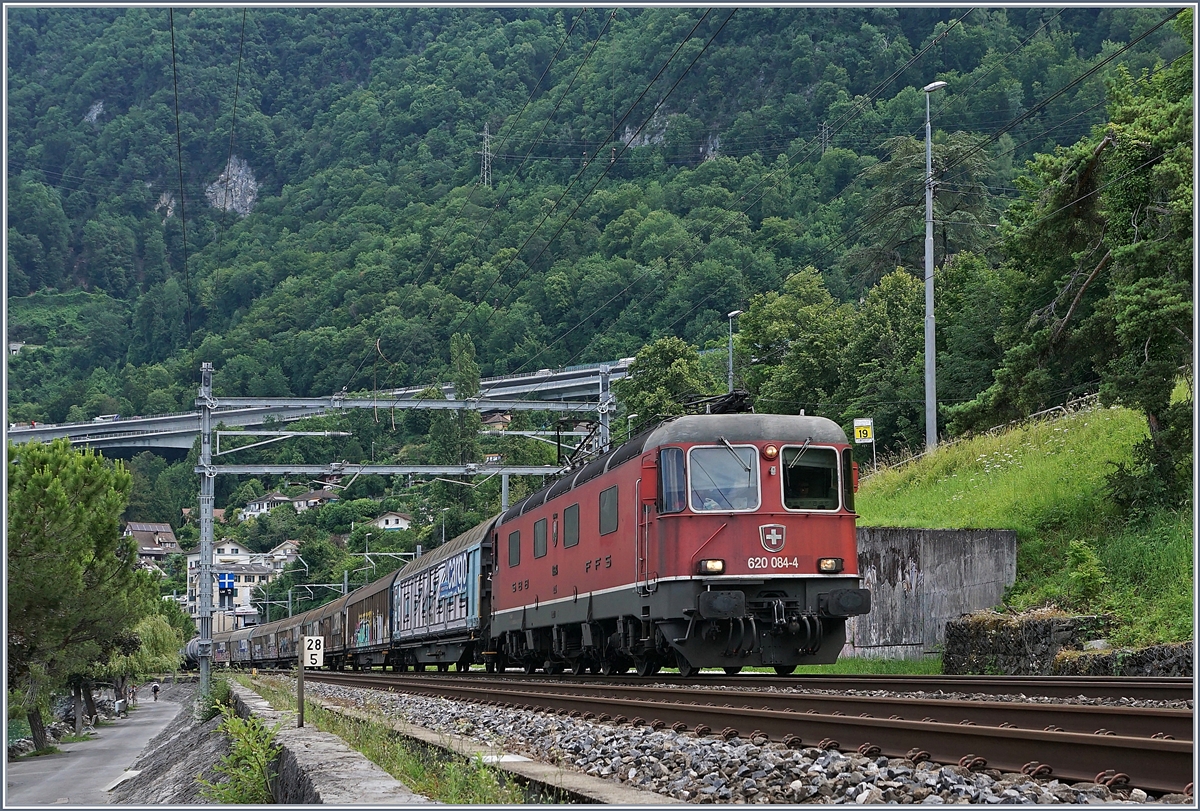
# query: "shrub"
247,768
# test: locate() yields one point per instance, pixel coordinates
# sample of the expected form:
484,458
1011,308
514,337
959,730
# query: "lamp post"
629,418
444,524
732,316
930,367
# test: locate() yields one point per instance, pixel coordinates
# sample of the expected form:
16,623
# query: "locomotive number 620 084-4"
773,563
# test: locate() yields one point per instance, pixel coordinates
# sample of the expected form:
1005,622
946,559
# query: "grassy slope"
1046,481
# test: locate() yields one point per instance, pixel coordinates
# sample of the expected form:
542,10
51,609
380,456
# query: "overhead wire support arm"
342,401
344,469
276,436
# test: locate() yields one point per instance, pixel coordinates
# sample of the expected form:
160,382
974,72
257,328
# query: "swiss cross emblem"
772,536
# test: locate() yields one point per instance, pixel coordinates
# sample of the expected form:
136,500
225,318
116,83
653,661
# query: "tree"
663,378
894,227
73,586
797,337
1100,248
884,361
157,651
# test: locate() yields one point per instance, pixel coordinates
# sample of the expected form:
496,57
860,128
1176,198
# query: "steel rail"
1153,764
1162,688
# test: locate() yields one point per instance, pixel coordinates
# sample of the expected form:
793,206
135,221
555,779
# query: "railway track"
1147,748
1163,688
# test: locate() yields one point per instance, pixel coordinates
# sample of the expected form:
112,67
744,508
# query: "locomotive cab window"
810,479
539,538
723,478
672,496
608,511
571,525
514,548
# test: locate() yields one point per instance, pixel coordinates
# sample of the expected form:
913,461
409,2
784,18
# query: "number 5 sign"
313,651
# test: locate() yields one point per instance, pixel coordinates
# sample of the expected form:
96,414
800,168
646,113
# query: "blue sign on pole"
225,581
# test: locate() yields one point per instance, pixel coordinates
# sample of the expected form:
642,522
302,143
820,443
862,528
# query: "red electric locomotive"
716,540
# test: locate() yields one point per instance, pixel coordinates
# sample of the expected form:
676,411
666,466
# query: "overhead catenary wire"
855,110
237,82
608,167
179,157
1047,216
504,139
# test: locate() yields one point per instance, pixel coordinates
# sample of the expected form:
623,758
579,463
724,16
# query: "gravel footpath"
711,770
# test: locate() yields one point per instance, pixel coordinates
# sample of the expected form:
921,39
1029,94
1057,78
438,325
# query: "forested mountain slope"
651,170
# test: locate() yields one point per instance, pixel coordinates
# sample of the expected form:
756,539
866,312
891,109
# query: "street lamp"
444,524
629,425
732,316
930,373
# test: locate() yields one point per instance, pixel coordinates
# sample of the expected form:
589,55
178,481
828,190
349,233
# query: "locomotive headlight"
770,452
711,566
830,565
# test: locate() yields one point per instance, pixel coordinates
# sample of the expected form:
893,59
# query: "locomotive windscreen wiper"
799,453
741,461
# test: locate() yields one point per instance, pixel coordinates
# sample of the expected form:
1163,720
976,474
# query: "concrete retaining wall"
318,768
921,578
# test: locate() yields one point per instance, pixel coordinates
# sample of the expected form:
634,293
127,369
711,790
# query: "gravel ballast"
712,770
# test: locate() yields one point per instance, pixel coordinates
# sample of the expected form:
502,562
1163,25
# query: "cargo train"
707,541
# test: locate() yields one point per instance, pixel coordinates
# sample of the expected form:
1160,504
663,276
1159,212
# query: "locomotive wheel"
530,668
579,666
785,670
552,668
686,669
732,671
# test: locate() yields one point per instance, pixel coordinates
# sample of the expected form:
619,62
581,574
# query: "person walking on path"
154,690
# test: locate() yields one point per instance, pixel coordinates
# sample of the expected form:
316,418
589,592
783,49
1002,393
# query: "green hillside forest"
358,199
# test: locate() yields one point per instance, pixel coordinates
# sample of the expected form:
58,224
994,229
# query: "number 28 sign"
312,651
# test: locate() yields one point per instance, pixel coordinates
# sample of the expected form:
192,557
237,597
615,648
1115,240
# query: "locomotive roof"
470,538
688,429
745,428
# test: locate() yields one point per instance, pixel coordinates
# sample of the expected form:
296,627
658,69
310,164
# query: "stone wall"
921,578
989,643
1156,660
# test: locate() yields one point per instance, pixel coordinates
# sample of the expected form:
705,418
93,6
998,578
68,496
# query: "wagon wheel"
462,667
785,670
418,668
732,671
443,667
552,668
644,667
686,669
609,667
